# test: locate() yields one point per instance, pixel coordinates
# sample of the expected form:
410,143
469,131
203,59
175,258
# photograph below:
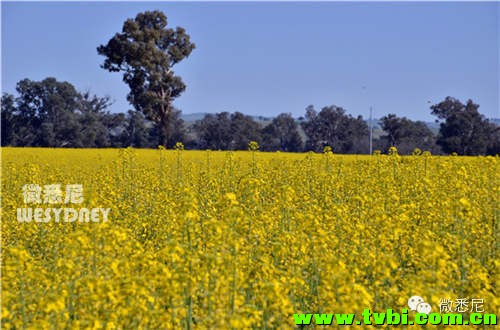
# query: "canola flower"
243,240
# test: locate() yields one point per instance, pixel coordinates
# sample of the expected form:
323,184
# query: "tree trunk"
163,127
164,118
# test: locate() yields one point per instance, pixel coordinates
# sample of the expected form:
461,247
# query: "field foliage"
206,239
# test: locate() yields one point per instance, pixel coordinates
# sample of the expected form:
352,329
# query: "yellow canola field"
243,240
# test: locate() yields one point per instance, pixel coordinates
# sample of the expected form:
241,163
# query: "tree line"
50,113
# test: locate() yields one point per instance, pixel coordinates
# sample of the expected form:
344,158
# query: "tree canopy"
146,52
333,127
464,130
406,135
51,113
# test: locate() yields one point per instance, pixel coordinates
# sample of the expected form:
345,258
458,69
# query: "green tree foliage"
95,121
47,110
333,127
136,131
214,131
175,130
464,130
282,134
8,118
146,51
226,131
244,129
50,113
406,135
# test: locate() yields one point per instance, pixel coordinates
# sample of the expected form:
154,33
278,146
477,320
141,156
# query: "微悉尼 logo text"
54,204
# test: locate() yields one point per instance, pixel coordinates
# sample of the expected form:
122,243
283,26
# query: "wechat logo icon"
417,303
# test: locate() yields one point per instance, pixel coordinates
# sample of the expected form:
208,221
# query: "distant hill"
192,117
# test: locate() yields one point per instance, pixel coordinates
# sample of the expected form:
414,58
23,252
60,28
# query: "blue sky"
268,58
